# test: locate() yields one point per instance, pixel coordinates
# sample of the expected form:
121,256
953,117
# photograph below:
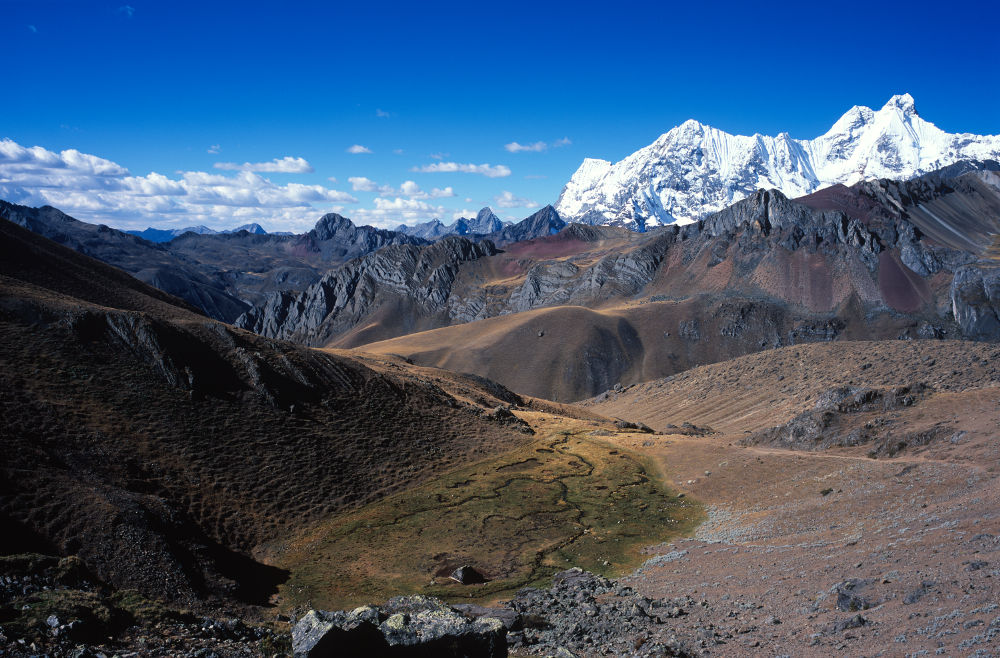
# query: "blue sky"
178,88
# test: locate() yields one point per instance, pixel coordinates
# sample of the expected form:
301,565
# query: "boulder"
467,575
405,626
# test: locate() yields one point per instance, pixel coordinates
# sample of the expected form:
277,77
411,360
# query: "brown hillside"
162,447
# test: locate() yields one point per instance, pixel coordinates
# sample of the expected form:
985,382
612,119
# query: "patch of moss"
559,502
146,612
91,618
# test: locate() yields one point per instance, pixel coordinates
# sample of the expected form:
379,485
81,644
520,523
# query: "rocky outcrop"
550,283
832,420
404,626
581,614
421,275
975,300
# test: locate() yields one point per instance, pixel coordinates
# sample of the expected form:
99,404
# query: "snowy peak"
902,102
694,169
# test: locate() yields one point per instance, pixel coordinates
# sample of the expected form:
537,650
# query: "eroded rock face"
404,626
421,274
975,299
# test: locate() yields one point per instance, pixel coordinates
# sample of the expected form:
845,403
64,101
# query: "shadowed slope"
162,446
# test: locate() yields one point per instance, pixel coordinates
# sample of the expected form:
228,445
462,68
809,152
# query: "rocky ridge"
484,223
421,275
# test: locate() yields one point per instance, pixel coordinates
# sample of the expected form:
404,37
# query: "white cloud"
382,114
439,156
128,10
537,147
362,184
358,148
389,213
508,200
498,171
407,189
514,147
398,151
437,193
214,148
97,190
286,165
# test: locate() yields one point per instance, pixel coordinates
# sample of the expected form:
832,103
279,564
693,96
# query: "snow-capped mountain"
695,169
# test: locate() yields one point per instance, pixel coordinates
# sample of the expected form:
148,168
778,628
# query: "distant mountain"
222,274
166,235
544,222
695,169
485,222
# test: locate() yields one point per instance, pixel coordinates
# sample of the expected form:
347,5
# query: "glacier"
695,169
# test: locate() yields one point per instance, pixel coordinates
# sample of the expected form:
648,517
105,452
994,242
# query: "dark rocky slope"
162,447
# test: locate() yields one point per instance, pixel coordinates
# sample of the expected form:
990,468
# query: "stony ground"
823,552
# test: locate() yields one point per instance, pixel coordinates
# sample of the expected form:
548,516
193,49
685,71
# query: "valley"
770,430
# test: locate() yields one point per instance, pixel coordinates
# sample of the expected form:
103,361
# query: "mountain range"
485,222
695,169
168,234
213,441
591,306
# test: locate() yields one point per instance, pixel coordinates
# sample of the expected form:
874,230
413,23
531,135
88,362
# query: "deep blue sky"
153,86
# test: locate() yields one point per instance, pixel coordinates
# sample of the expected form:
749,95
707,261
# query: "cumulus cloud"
438,193
514,147
537,147
407,189
98,190
362,184
508,200
213,149
286,165
498,171
358,148
389,213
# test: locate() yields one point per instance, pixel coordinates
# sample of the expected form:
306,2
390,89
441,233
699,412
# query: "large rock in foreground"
404,626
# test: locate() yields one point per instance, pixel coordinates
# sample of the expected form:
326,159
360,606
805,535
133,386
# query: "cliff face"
421,276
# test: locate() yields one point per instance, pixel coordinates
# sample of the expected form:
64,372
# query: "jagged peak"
903,102
331,223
